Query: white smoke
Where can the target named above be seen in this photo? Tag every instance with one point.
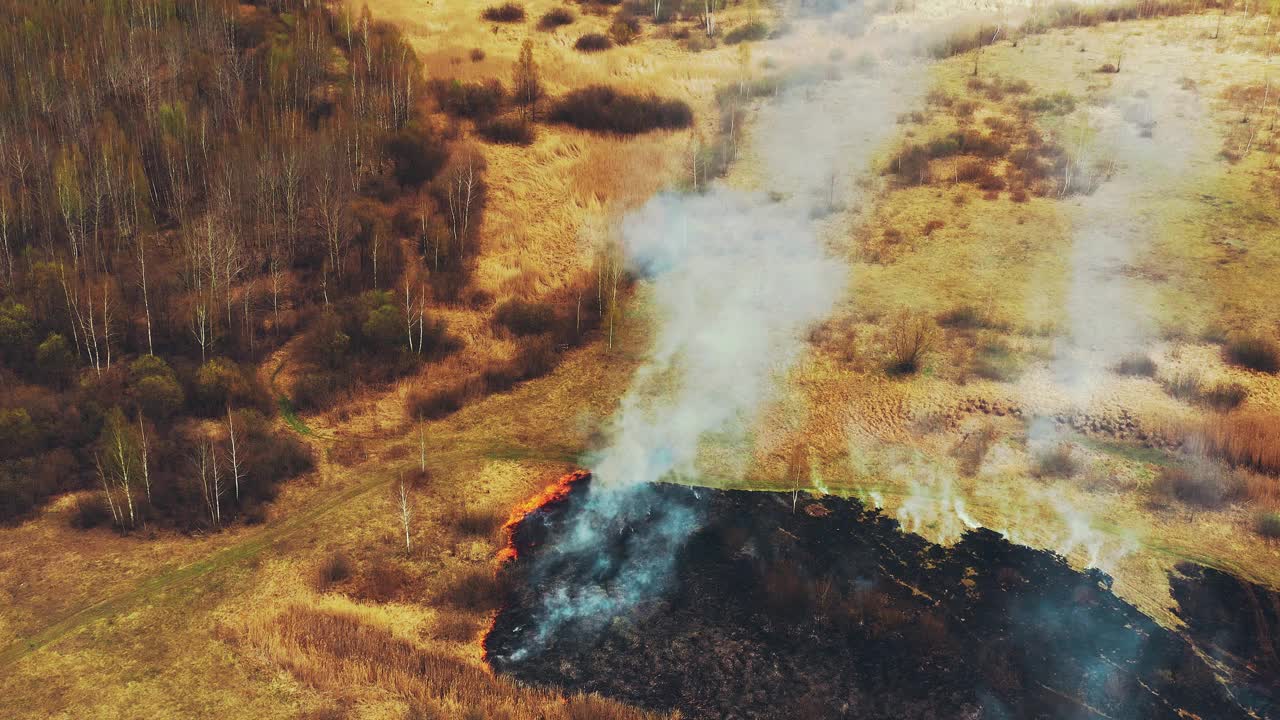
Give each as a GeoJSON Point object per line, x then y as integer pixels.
{"type": "Point", "coordinates": [736, 277]}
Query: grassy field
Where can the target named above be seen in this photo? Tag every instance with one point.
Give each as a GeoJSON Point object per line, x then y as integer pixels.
{"type": "Point", "coordinates": [321, 612]}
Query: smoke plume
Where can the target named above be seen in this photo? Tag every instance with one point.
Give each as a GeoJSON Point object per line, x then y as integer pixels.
{"type": "Point", "coordinates": [735, 277]}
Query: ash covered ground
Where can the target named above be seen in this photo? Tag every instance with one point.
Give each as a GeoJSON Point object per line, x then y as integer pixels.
{"type": "Point", "coordinates": [821, 608]}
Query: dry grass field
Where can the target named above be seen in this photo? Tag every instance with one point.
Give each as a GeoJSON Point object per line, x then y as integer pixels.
{"type": "Point", "coordinates": [322, 612]}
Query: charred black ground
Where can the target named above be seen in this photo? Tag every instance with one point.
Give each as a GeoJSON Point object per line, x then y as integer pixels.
{"type": "Point", "coordinates": [825, 609]}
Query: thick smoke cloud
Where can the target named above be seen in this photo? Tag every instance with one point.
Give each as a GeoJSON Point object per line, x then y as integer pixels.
{"type": "Point", "coordinates": [735, 277]}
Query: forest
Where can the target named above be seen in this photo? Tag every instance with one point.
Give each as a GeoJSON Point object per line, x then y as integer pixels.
{"type": "Point", "coordinates": [184, 186]}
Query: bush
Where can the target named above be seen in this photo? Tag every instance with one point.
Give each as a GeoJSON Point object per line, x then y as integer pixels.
{"type": "Point", "coordinates": [911, 339]}
{"type": "Point", "coordinates": [995, 360]}
{"type": "Point", "coordinates": [55, 360]}
{"type": "Point", "coordinates": [435, 404]}
{"type": "Point", "coordinates": [16, 333]}
{"type": "Point", "coordinates": [1225, 396]}
{"type": "Point", "coordinates": [533, 359]}
{"type": "Point", "coordinates": [416, 156]}
{"type": "Point", "coordinates": [335, 568]}
{"type": "Point", "coordinates": [752, 31]}
{"type": "Point", "coordinates": [1058, 461]}
{"type": "Point", "coordinates": [1059, 103]}
{"type": "Point", "coordinates": [325, 344]}
{"type": "Point", "coordinates": [384, 327]}
{"type": "Point", "coordinates": [965, 317]}
{"type": "Point", "coordinates": [592, 42]}
{"type": "Point", "coordinates": [1208, 485]}
{"type": "Point", "coordinates": [523, 318]}
{"type": "Point", "coordinates": [471, 99]}
{"type": "Point", "coordinates": [624, 29]}
{"type": "Point", "coordinates": [475, 589]}
{"type": "Point", "coordinates": [507, 131]}
{"type": "Point", "coordinates": [1185, 386]}
{"type": "Point", "coordinates": [90, 512]}
{"type": "Point", "coordinates": [1267, 524]}
{"type": "Point", "coordinates": [1254, 353]}
{"type": "Point", "coordinates": [158, 396]}
{"type": "Point", "coordinates": [601, 108]}
{"type": "Point", "coordinates": [556, 17]}
{"type": "Point", "coordinates": [1136, 364]}
{"type": "Point", "coordinates": [506, 13]}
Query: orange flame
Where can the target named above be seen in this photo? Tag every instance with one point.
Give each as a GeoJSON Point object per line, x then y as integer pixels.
{"type": "Point", "coordinates": [554, 492]}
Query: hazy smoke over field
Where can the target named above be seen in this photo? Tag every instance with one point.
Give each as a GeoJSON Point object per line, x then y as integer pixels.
{"type": "Point", "coordinates": [735, 279]}
{"type": "Point", "coordinates": [1127, 151]}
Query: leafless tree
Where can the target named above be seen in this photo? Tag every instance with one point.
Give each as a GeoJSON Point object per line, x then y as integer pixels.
{"type": "Point", "coordinates": [405, 514]}
{"type": "Point", "coordinates": [236, 472]}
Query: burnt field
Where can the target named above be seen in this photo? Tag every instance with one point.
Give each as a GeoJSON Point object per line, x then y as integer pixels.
{"type": "Point", "coordinates": [817, 608]}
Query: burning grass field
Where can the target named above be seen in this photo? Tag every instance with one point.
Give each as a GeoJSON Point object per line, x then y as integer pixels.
{"type": "Point", "coordinates": [322, 613]}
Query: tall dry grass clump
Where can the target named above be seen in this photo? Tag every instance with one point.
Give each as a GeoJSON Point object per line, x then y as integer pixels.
{"type": "Point", "coordinates": [1245, 439]}
{"type": "Point", "coordinates": [336, 650]}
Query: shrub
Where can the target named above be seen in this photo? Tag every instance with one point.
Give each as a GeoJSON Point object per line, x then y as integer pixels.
{"type": "Point", "coordinates": [556, 17]}
{"type": "Point", "coordinates": [534, 358]}
{"type": "Point", "coordinates": [1136, 364]}
{"type": "Point", "coordinates": [752, 31]}
{"type": "Point", "coordinates": [1254, 353]}
{"type": "Point", "coordinates": [435, 404]}
{"type": "Point", "coordinates": [416, 156]}
{"type": "Point", "coordinates": [996, 361]}
{"type": "Point", "coordinates": [1225, 396]}
{"type": "Point", "coordinates": [55, 360]}
{"type": "Point", "coordinates": [90, 512]}
{"type": "Point", "coordinates": [624, 29]}
{"type": "Point", "coordinates": [1058, 461]}
{"type": "Point", "coordinates": [522, 318]}
{"type": "Point", "coordinates": [335, 568]}
{"type": "Point", "coordinates": [324, 343]}
{"type": "Point", "coordinates": [1208, 484]}
{"type": "Point", "coordinates": [1267, 524]}
{"type": "Point", "coordinates": [967, 317]}
{"type": "Point", "coordinates": [383, 327]}
{"type": "Point", "coordinates": [507, 131]}
{"type": "Point", "coordinates": [16, 332]}
{"type": "Point", "coordinates": [158, 396]}
{"type": "Point", "coordinates": [475, 589]}
{"type": "Point", "coordinates": [506, 13]}
{"type": "Point", "coordinates": [470, 99]}
{"type": "Point", "coordinates": [1185, 385]}
{"type": "Point", "coordinates": [911, 338]}
{"type": "Point", "coordinates": [593, 42]}
{"type": "Point", "coordinates": [603, 109]}
{"type": "Point", "coordinates": [476, 55]}
{"type": "Point", "coordinates": [1059, 103]}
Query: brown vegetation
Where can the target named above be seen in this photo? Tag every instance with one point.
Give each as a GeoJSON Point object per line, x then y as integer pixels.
{"type": "Point", "coordinates": [1245, 439]}
{"type": "Point", "coordinates": [508, 12]}
{"type": "Point", "coordinates": [1255, 353]}
{"type": "Point", "coordinates": [603, 109]}
{"type": "Point", "coordinates": [1204, 484]}
{"type": "Point", "coordinates": [593, 42]}
{"type": "Point", "coordinates": [332, 650]}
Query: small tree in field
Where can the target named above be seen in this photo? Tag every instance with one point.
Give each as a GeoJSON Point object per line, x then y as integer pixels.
{"type": "Point", "coordinates": [405, 514]}
{"type": "Point", "coordinates": [911, 338]}
{"type": "Point", "coordinates": [526, 86]}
